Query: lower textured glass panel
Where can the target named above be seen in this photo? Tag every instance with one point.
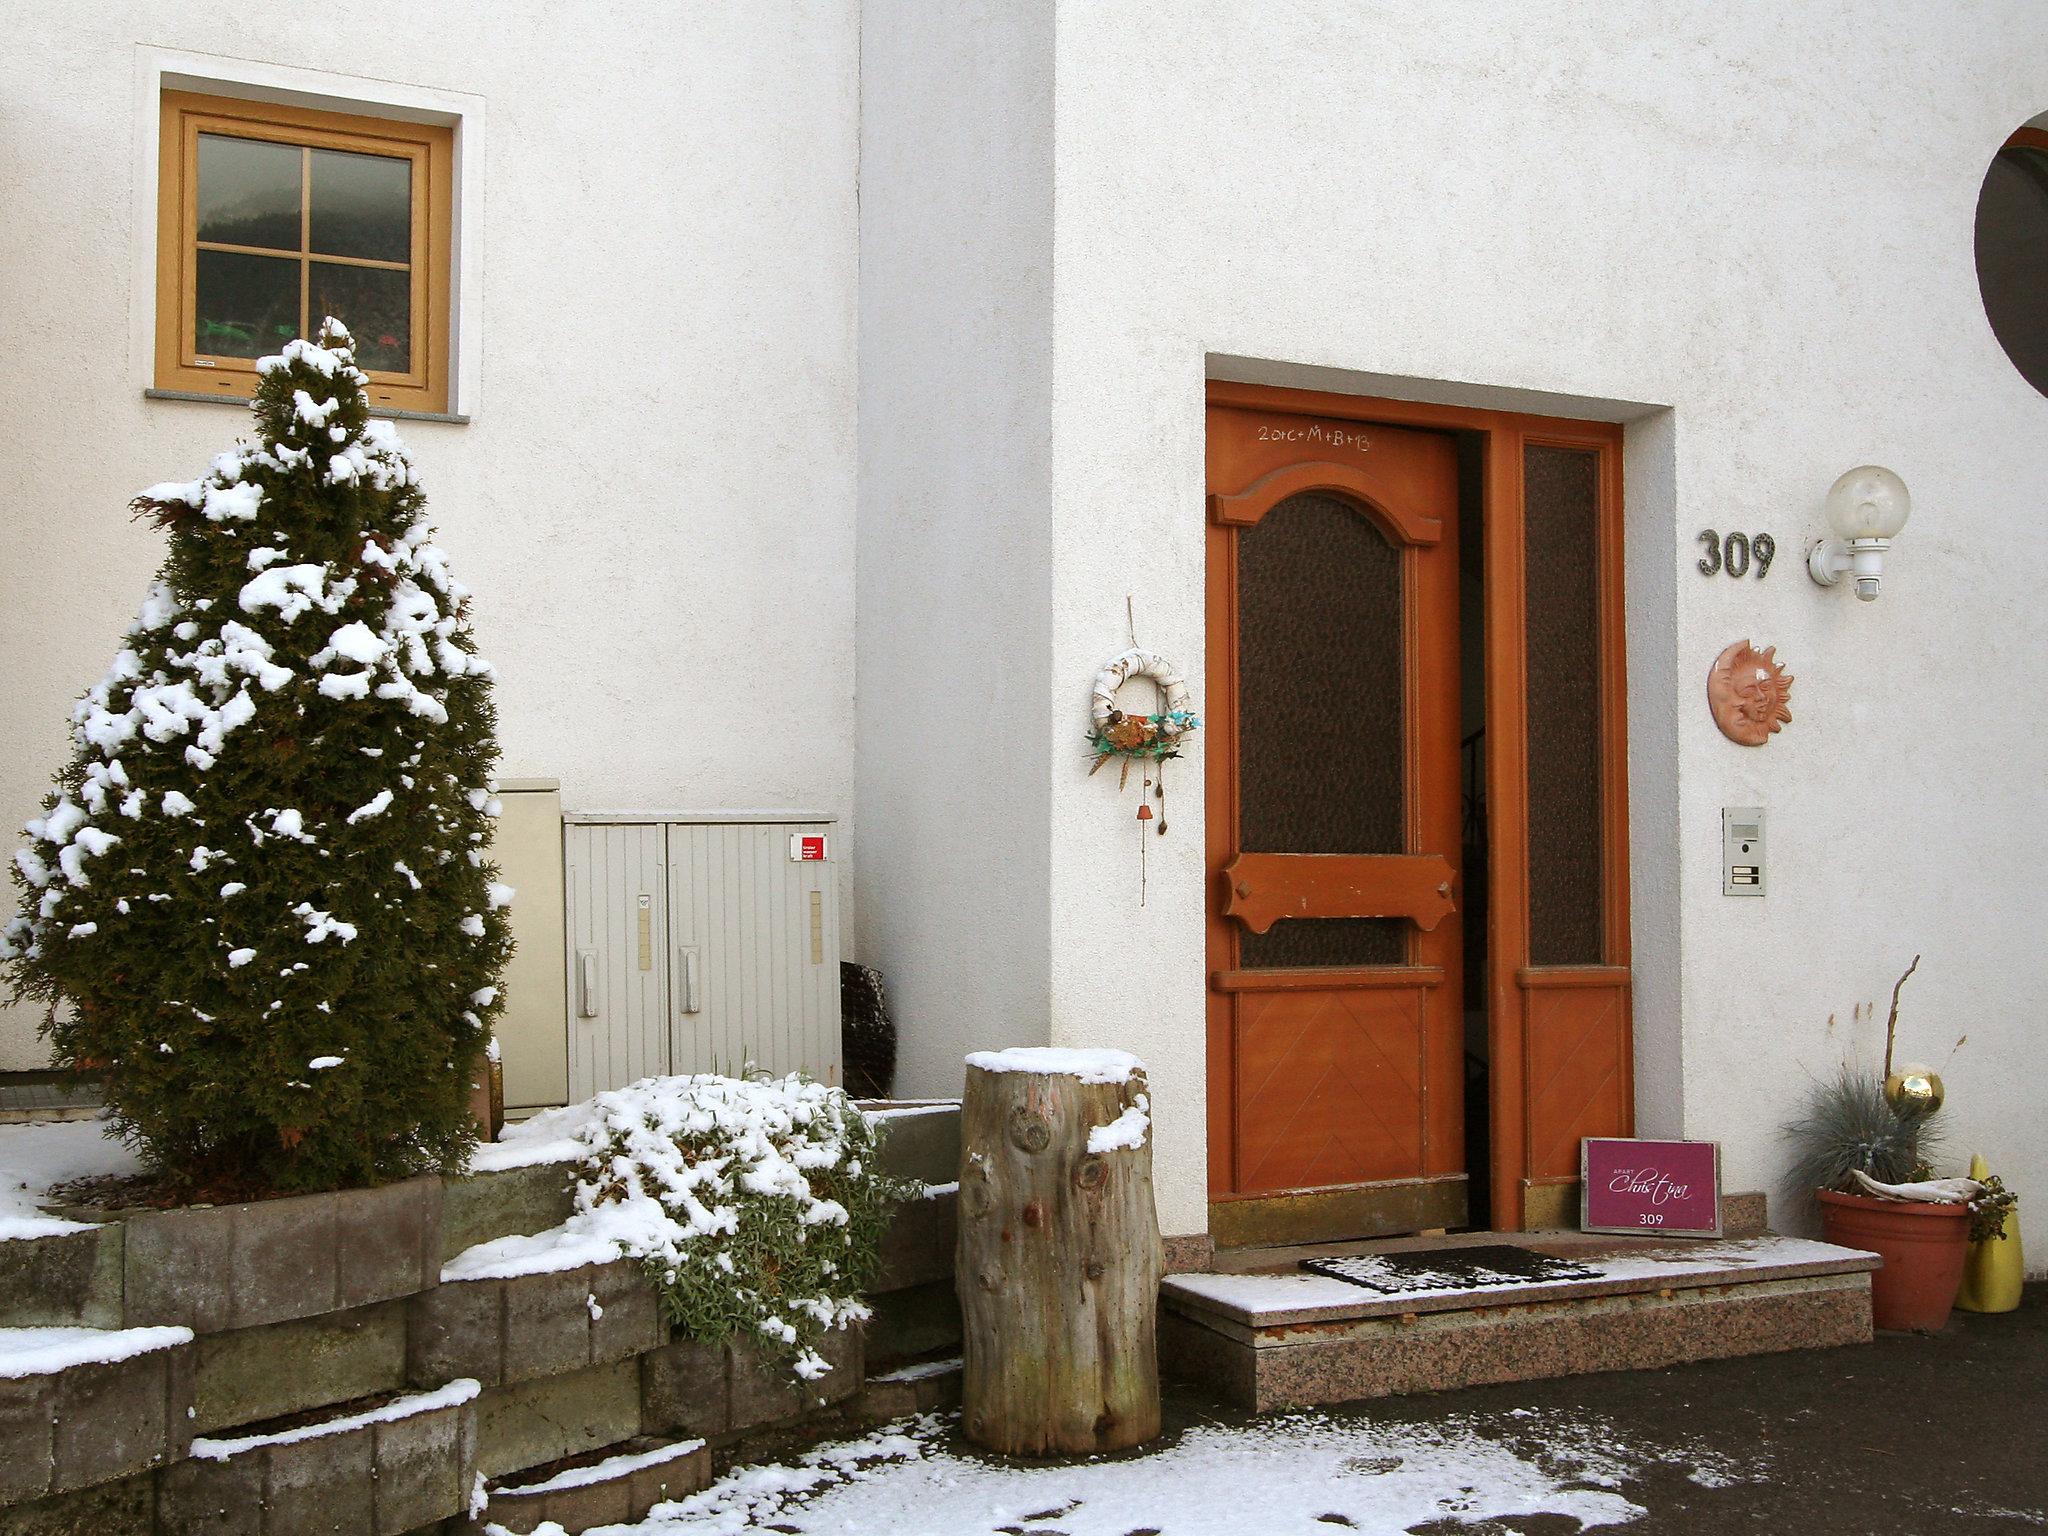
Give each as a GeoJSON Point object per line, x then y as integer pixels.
{"type": "Point", "coordinates": [375, 303]}
{"type": "Point", "coordinates": [1325, 942]}
{"type": "Point", "coordinates": [247, 306]}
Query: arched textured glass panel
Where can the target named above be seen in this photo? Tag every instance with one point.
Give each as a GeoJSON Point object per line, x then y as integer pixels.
{"type": "Point", "coordinates": [2012, 258]}
{"type": "Point", "coordinates": [1321, 758]}
{"type": "Point", "coordinates": [1561, 495]}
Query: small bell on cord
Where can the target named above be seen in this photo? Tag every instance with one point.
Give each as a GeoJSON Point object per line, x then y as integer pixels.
{"type": "Point", "coordinates": [1144, 812]}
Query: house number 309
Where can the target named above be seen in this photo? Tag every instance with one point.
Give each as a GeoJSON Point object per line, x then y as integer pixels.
{"type": "Point", "coordinates": [1732, 553]}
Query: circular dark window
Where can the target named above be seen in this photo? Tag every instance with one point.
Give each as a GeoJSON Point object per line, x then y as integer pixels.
{"type": "Point", "coordinates": [2012, 251]}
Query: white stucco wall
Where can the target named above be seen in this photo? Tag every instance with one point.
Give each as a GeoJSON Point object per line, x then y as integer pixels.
{"type": "Point", "coordinates": [957, 735]}
{"type": "Point", "coordinates": [654, 498]}
{"type": "Point", "coordinates": [1758, 216]}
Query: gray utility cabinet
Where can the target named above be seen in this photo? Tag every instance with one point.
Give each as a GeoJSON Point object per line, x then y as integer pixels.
{"type": "Point", "coordinates": [700, 942]}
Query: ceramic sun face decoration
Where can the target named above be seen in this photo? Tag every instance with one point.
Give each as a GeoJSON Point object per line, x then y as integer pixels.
{"type": "Point", "coordinates": [1748, 691]}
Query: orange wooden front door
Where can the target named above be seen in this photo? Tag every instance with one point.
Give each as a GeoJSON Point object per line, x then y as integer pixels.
{"type": "Point", "coordinates": [1335, 1018]}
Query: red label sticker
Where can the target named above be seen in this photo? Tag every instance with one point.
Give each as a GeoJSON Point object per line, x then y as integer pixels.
{"type": "Point", "coordinates": [1650, 1186]}
{"type": "Point", "coordinates": [805, 849]}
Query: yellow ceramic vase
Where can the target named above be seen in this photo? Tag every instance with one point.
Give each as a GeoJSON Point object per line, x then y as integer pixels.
{"type": "Point", "coordinates": [1994, 1268]}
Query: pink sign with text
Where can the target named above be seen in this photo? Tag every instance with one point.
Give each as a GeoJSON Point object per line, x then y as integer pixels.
{"type": "Point", "coordinates": [1661, 1187]}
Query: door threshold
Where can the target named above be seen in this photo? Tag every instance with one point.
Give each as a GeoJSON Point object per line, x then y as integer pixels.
{"type": "Point", "coordinates": [1383, 1208]}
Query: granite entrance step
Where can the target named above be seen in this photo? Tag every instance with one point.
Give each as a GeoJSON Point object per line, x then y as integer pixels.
{"type": "Point", "coordinates": [1273, 1337]}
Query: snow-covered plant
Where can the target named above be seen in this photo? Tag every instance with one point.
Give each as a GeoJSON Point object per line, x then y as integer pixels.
{"type": "Point", "coordinates": [754, 1203]}
{"type": "Point", "coordinates": [258, 898]}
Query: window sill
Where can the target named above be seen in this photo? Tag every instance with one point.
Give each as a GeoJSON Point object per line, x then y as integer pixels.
{"type": "Point", "coordinates": [390, 412]}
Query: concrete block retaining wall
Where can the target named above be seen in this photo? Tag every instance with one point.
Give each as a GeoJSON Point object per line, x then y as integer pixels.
{"type": "Point", "coordinates": [614, 1491]}
{"type": "Point", "coordinates": [336, 1383]}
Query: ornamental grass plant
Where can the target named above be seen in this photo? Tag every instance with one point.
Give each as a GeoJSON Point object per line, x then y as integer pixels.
{"type": "Point", "coordinates": [1846, 1126]}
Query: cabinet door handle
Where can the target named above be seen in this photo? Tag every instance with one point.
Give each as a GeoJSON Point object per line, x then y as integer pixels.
{"type": "Point", "coordinates": [586, 983]}
{"type": "Point", "coordinates": [686, 965]}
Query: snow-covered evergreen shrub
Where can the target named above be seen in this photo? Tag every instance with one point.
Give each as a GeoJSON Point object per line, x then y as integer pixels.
{"type": "Point", "coordinates": [259, 898]}
{"type": "Point", "coordinates": [754, 1203]}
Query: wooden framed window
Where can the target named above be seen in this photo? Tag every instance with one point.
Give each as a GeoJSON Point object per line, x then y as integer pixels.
{"type": "Point", "coordinates": [270, 218]}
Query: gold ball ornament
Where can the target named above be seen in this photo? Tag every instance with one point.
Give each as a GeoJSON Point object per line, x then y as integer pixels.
{"type": "Point", "coordinates": [1915, 1091]}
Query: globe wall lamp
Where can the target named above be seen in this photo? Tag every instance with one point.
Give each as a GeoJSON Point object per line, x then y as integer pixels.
{"type": "Point", "coordinates": [1866, 507]}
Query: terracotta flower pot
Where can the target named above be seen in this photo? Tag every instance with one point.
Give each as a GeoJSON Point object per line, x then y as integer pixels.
{"type": "Point", "coordinates": [1922, 1244]}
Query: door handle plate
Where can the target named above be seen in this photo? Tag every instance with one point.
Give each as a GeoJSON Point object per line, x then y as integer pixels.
{"type": "Point", "coordinates": [689, 1000]}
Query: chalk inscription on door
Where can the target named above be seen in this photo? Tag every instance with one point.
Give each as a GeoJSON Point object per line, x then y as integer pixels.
{"type": "Point", "coordinates": [1734, 553]}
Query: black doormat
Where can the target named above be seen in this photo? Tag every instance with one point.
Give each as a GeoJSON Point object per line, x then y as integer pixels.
{"type": "Point", "coordinates": [1449, 1269]}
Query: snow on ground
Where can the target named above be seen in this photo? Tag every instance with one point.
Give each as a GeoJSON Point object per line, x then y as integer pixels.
{"type": "Point", "coordinates": [43, 1153]}
{"type": "Point", "coordinates": [1282, 1476]}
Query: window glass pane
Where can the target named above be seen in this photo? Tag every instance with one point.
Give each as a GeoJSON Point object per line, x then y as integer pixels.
{"type": "Point", "coordinates": [2012, 258]}
{"type": "Point", "coordinates": [248, 192]}
{"type": "Point", "coordinates": [248, 306]}
{"type": "Point", "coordinates": [1562, 567]}
{"type": "Point", "coordinates": [1321, 766]}
{"type": "Point", "coordinates": [362, 205]}
{"type": "Point", "coordinates": [375, 303]}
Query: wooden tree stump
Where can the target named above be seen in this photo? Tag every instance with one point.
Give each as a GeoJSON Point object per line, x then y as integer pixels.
{"type": "Point", "coordinates": [1059, 1257]}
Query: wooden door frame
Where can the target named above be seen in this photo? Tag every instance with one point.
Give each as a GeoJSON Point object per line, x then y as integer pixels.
{"type": "Point", "coordinates": [1518, 1200]}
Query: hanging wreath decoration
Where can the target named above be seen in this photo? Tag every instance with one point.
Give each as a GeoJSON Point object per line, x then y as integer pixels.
{"type": "Point", "coordinates": [1157, 737]}
{"type": "Point", "coordinates": [1149, 739]}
